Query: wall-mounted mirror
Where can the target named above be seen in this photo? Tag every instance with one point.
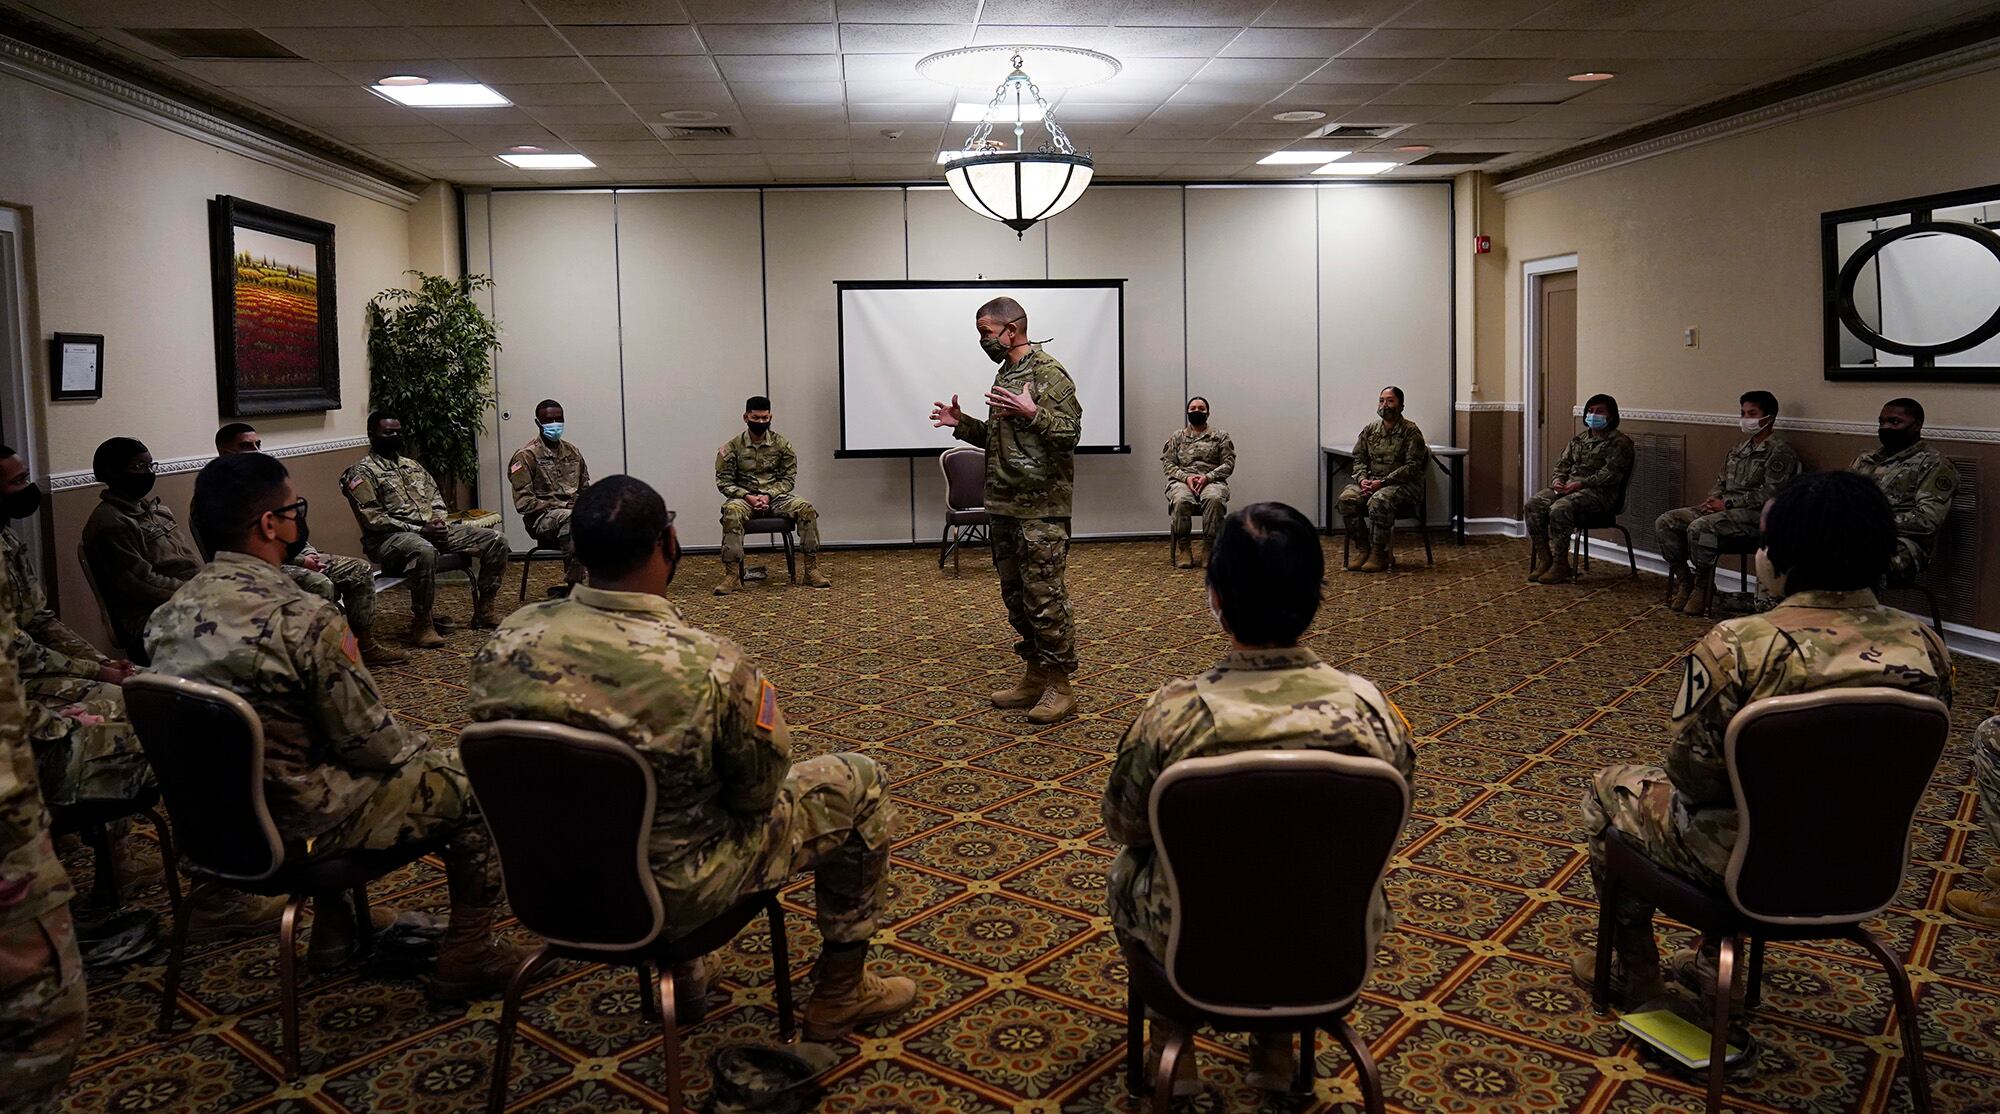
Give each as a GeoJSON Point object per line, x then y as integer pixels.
{"type": "Point", "coordinates": [1912, 289]}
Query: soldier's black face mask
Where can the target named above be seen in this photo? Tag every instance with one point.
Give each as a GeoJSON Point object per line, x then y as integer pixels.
{"type": "Point", "coordinates": [386, 444]}
{"type": "Point", "coordinates": [1896, 439]}
{"type": "Point", "coordinates": [296, 514]}
{"type": "Point", "coordinates": [758, 429]}
{"type": "Point", "coordinates": [133, 487]}
{"type": "Point", "coordinates": [21, 503]}
{"type": "Point", "coordinates": [1197, 418]}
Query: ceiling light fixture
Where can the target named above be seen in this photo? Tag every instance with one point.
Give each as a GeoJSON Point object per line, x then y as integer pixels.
{"type": "Point", "coordinates": [404, 79]}
{"type": "Point", "coordinates": [1414, 148]}
{"type": "Point", "coordinates": [971, 112]}
{"type": "Point", "coordinates": [538, 161]}
{"type": "Point", "coordinates": [1592, 75]}
{"type": "Point", "coordinates": [1018, 187]}
{"type": "Point", "coordinates": [1357, 167]}
{"type": "Point", "coordinates": [1299, 116]}
{"type": "Point", "coordinates": [524, 149]}
{"type": "Point", "coordinates": [686, 115]}
{"type": "Point", "coordinates": [1286, 158]}
{"type": "Point", "coordinates": [1057, 67]}
{"type": "Point", "coordinates": [441, 94]}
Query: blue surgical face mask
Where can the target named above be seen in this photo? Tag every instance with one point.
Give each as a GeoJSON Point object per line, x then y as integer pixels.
{"type": "Point", "coordinates": [1596, 421]}
{"type": "Point", "coordinates": [552, 430]}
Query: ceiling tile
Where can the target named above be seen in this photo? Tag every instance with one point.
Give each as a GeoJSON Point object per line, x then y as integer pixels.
{"type": "Point", "coordinates": [1099, 113]}
{"type": "Point", "coordinates": [1120, 91]}
{"type": "Point", "coordinates": [787, 92]}
{"type": "Point", "coordinates": [1612, 15]}
{"type": "Point", "coordinates": [1319, 96]}
{"type": "Point", "coordinates": [879, 67]}
{"type": "Point", "coordinates": [1164, 42]}
{"type": "Point", "coordinates": [302, 13]}
{"type": "Point", "coordinates": [770, 38]}
{"type": "Point", "coordinates": [380, 113]}
{"type": "Point", "coordinates": [917, 92]}
{"type": "Point", "coordinates": [663, 68]}
{"type": "Point", "coordinates": [1485, 113]}
{"type": "Point", "coordinates": [910, 11]}
{"type": "Point", "coordinates": [559, 70]}
{"type": "Point", "coordinates": [1244, 71]}
{"type": "Point", "coordinates": [1490, 14]}
{"type": "Point", "coordinates": [903, 38]}
{"type": "Point", "coordinates": [229, 74]}
{"type": "Point", "coordinates": [781, 67]}
{"type": "Point", "coordinates": [1533, 94]}
{"type": "Point", "coordinates": [1434, 94]}
{"type": "Point", "coordinates": [808, 158]}
{"type": "Point", "coordinates": [1012, 34]}
{"type": "Point", "coordinates": [1217, 93]}
{"type": "Point", "coordinates": [392, 133]}
{"type": "Point", "coordinates": [619, 147]}
{"type": "Point", "coordinates": [493, 42]}
{"type": "Point", "coordinates": [1191, 13]}
{"type": "Point", "coordinates": [447, 149]}
{"type": "Point", "coordinates": [761, 11]}
{"type": "Point", "coordinates": [348, 43]}
{"type": "Point", "coordinates": [595, 92]}
{"type": "Point", "coordinates": [1292, 42]}
{"type": "Point", "coordinates": [1547, 44]}
{"type": "Point", "coordinates": [612, 11]}
{"type": "Point", "coordinates": [830, 114]}
{"type": "Point", "coordinates": [1269, 130]}
{"type": "Point", "coordinates": [695, 162]}
{"type": "Point", "coordinates": [1370, 71]}
{"type": "Point", "coordinates": [309, 96]}
{"type": "Point", "coordinates": [437, 69]}
{"type": "Point", "coordinates": [657, 161]}
{"type": "Point", "coordinates": [1477, 71]}
{"type": "Point", "coordinates": [669, 38]}
{"type": "Point", "coordinates": [1175, 70]}
{"type": "Point", "coordinates": [1329, 13]}
{"type": "Point", "coordinates": [460, 13]}
{"type": "Point", "coordinates": [497, 136]}
{"type": "Point", "coordinates": [883, 157]}
{"type": "Point", "coordinates": [1049, 11]}
{"type": "Point", "coordinates": [452, 164]}
{"type": "Point", "coordinates": [676, 94]}
{"type": "Point", "coordinates": [791, 147]}
{"type": "Point", "coordinates": [555, 114]}
{"type": "Point", "coordinates": [155, 13]}
{"type": "Point", "coordinates": [583, 133]}
{"type": "Point", "coordinates": [1407, 43]}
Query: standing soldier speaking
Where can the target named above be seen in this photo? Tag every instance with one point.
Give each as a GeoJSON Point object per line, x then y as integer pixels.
{"type": "Point", "coordinates": [1030, 439]}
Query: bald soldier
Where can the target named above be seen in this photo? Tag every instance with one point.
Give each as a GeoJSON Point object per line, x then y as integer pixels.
{"type": "Point", "coordinates": [1827, 541]}
{"type": "Point", "coordinates": [547, 475]}
{"type": "Point", "coordinates": [1389, 460]}
{"type": "Point", "coordinates": [1918, 481]}
{"type": "Point", "coordinates": [1269, 693]}
{"type": "Point", "coordinates": [41, 973]}
{"type": "Point", "coordinates": [347, 581]}
{"type": "Point", "coordinates": [1033, 421]}
{"type": "Point", "coordinates": [757, 472]}
{"type": "Point", "coordinates": [735, 815]}
{"type": "Point", "coordinates": [1198, 461]}
{"type": "Point", "coordinates": [340, 773]}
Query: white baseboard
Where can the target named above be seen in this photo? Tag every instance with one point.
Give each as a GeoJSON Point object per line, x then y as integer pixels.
{"type": "Point", "coordinates": [1503, 527]}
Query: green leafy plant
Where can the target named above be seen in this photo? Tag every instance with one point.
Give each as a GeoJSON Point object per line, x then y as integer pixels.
{"type": "Point", "coordinates": [430, 358]}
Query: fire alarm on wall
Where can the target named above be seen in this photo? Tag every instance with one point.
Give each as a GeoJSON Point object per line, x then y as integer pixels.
{"type": "Point", "coordinates": [1482, 244]}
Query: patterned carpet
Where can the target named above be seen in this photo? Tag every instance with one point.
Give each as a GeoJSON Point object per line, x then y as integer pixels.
{"type": "Point", "coordinates": [1518, 692]}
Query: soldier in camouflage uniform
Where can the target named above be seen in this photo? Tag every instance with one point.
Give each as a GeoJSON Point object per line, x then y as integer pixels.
{"type": "Point", "coordinates": [403, 528]}
{"type": "Point", "coordinates": [1389, 461]}
{"type": "Point", "coordinates": [1983, 907]}
{"type": "Point", "coordinates": [137, 553]}
{"type": "Point", "coordinates": [1752, 472]}
{"type": "Point", "coordinates": [340, 773]}
{"type": "Point", "coordinates": [1030, 434]}
{"type": "Point", "coordinates": [1198, 462]}
{"type": "Point", "coordinates": [1590, 476]}
{"type": "Point", "coordinates": [42, 997]}
{"type": "Point", "coordinates": [1919, 482]}
{"type": "Point", "coordinates": [756, 471]}
{"type": "Point", "coordinates": [547, 475]}
{"type": "Point", "coordinates": [734, 814]}
{"type": "Point", "coordinates": [1269, 693]}
{"type": "Point", "coordinates": [347, 581]}
{"type": "Point", "coordinates": [1828, 537]}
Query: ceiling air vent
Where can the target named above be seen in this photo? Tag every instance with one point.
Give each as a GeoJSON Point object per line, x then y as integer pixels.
{"type": "Point", "coordinates": [694, 131]}
{"type": "Point", "coordinates": [1458, 158]}
{"type": "Point", "coordinates": [1357, 131]}
{"type": "Point", "coordinates": [210, 42]}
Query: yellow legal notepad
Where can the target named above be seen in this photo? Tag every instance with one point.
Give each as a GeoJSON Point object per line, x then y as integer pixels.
{"type": "Point", "coordinates": [1678, 1038]}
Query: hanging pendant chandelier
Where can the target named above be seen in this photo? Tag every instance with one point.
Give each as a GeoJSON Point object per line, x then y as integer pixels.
{"type": "Point", "coordinates": [1018, 187]}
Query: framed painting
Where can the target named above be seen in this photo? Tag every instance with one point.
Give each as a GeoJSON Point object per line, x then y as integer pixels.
{"type": "Point", "coordinates": [276, 349]}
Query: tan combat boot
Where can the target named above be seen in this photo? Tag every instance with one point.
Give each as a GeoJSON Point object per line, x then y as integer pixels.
{"type": "Point", "coordinates": [1274, 1062]}
{"type": "Point", "coordinates": [1378, 560]}
{"type": "Point", "coordinates": [471, 963]}
{"type": "Point", "coordinates": [732, 578]}
{"type": "Point", "coordinates": [1358, 549]}
{"type": "Point", "coordinates": [231, 915]}
{"type": "Point", "coordinates": [1180, 544]}
{"type": "Point", "coordinates": [374, 653]}
{"type": "Point", "coordinates": [1680, 581]}
{"type": "Point", "coordinates": [486, 613]}
{"type": "Point", "coordinates": [1186, 1083]}
{"type": "Point", "coordinates": [1700, 594]}
{"type": "Point", "coordinates": [1198, 558]}
{"type": "Point", "coordinates": [1540, 558]}
{"type": "Point", "coordinates": [423, 632]}
{"type": "Point", "coordinates": [1635, 968]}
{"type": "Point", "coordinates": [1982, 909]}
{"type": "Point", "coordinates": [814, 579]}
{"type": "Point", "coordinates": [1058, 699]}
{"type": "Point", "coordinates": [1560, 572]}
{"type": "Point", "coordinates": [845, 995]}
{"type": "Point", "coordinates": [1024, 693]}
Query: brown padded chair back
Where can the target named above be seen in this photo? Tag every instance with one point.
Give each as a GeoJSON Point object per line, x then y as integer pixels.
{"type": "Point", "coordinates": [964, 478]}
{"type": "Point", "coordinates": [134, 653]}
{"type": "Point", "coordinates": [1827, 784]}
{"type": "Point", "coordinates": [206, 747]}
{"type": "Point", "coordinates": [1272, 858]}
{"type": "Point", "coordinates": [571, 812]}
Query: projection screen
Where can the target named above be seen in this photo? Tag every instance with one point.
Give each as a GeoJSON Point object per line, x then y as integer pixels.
{"type": "Point", "coordinates": [904, 345]}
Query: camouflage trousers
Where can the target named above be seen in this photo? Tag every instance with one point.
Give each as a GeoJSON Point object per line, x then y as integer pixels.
{"type": "Point", "coordinates": [1908, 562]}
{"type": "Point", "coordinates": [737, 512]}
{"type": "Point", "coordinates": [1182, 502]}
{"type": "Point", "coordinates": [1557, 515]}
{"type": "Point", "coordinates": [1687, 534]}
{"type": "Point", "coordinates": [833, 817]}
{"type": "Point", "coordinates": [1986, 772]}
{"type": "Point", "coordinates": [409, 555]}
{"type": "Point", "coordinates": [550, 529]}
{"type": "Point", "coordinates": [1381, 509]}
{"type": "Point", "coordinates": [1639, 802]}
{"type": "Point", "coordinates": [1032, 556]}
{"type": "Point", "coordinates": [1142, 907]}
{"type": "Point", "coordinates": [41, 1010]}
{"type": "Point", "coordinates": [347, 581]}
{"type": "Point", "coordinates": [84, 746]}
{"type": "Point", "coordinates": [429, 800]}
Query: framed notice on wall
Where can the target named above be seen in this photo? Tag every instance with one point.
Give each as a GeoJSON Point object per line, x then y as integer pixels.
{"type": "Point", "coordinates": [275, 347]}
{"type": "Point", "coordinates": [76, 366]}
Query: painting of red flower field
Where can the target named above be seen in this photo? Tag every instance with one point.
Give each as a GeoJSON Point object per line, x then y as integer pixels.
{"type": "Point", "coordinates": [274, 310]}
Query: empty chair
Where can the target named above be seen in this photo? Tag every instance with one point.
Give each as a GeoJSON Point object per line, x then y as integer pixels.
{"type": "Point", "coordinates": [965, 517]}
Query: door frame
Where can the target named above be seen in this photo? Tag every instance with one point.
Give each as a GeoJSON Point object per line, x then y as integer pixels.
{"type": "Point", "coordinates": [22, 426]}
{"type": "Point", "coordinates": [1533, 273]}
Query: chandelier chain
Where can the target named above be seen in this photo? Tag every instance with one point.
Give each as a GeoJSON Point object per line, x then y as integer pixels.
{"type": "Point", "coordinates": [1058, 141]}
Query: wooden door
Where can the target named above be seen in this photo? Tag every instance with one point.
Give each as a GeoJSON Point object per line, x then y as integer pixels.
{"type": "Point", "coordinates": [1556, 365]}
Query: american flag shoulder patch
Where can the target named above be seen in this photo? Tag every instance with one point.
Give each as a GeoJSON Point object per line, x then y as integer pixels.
{"type": "Point", "coordinates": [515, 467]}
{"type": "Point", "coordinates": [767, 705]}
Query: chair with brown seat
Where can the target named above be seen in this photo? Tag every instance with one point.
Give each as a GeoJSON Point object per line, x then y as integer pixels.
{"type": "Point", "coordinates": [206, 746]}
{"type": "Point", "coordinates": [588, 889]}
{"type": "Point", "coordinates": [91, 820]}
{"type": "Point", "coordinates": [965, 517]}
{"type": "Point", "coordinates": [1862, 757]}
{"type": "Point", "coordinates": [1214, 822]}
{"type": "Point", "coordinates": [1604, 520]}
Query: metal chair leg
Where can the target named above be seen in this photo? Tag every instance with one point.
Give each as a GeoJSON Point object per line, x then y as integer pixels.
{"type": "Point", "coordinates": [944, 545]}
{"type": "Point", "coordinates": [1718, 1038]}
{"type": "Point", "coordinates": [104, 865]}
{"type": "Point", "coordinates": [510, 1014]}
{"type": "Point", "coordinates": [169, 861]}
{"type": "Point", "coordinates": [1631, 554]}
{"type": "Point", "coordinates": [1302, 1083]}
{"type": "Point", "coordinates": [364, 924]}
{"type": "Point", "coordinates": [176, 953]}
{"type": "Point", "coordinates": [288, 982]}
{"type": "Point", "coordinates": [781, 968]}
{"type": "Point", "coordinates": [791, 561]}
{"type": "Point", "coordinates": [1906, 1009]}
{"type": "Point", "coordinates": [1755, 996]}
{"type": "Point", "coordinates": [1135, 1043]}
{"type": "Point", "coordinates": [1178, 1043]}
{"type": "Point", "coordinates": [523, 595]}
{"type": "Point", "coordinates": [670, 1042]}
{"type": "Point", "coordinates": [648, 1009]}
{"type": "Point", "coordinates": [1600, 987]}
{"type": "Point", "coordinates": [1365, 1071]}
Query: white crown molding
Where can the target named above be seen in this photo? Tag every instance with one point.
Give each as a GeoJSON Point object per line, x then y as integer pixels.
{"type": "Point", "coordinates": [1465, 407]}
{"type": "Point", "coordinates": [70, 481]}
{"type": "Point", "coordinates": [1947, 66]}
{"type": "Point", "coordinates": [52, 71]}
{"type": "Point", "coordinates": [1976, 434]}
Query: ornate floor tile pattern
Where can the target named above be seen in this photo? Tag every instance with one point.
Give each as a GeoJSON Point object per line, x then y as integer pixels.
{"type": "Point", "coordinates": [996, 909]}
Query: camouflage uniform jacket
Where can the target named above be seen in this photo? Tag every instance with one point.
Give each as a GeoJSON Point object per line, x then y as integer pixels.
{"type": "Point", "coordinates": [704, 717]}
{"type": "Point", "coordinates": [32, 881]}
{"type": "Point", "coordinates": [244, 626]}
{"type": "Point", "coordinates": [43, 646]}
{"type": "Point", "coordinates": [1277, 699]}
{"type": "Point", "coordinates": [546, 477]}
{"type": "Point", "coordinates": [1600, 464]}
{"type": "Point", "coordinates": [1920, 484]}
{"type": "Point", "coordinates": [1205, 452]}
{"type": "Point", "coordinates": [1395, 455]}
{"type": "Point", "coordinates": [139, 556]}
{"type": "Point", "coordinates": [1810, 641]}
{"type": "Point", "coordinates": [1754, 472]}
{"type": "Point", "coordinates": [744, 467]}
{"type": "Point", "coordinates": [390, 497]}
{"type": "Point", "coordinates": [1030, 465]}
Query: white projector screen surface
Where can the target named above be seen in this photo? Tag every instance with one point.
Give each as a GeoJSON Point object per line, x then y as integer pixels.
{"type": "Point", "coordinates": [905, 345]}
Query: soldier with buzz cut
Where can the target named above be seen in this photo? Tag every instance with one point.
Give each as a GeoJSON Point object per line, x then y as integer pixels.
{"type": "Point", "coordinates": [1389, 461]}
{"type": "Point", "coordinates": [735, 815]}
{"type": "Point", "coordinates": [1269, 693]}
{"type": "Point", "coordinates": [1918, 481]}
{"type": "Point", "coordinates": [1198, 462]}
{"type": "Point", "coordinates": [1827, 541]}
{"type": "Point", "coordinates": [1030, 433]}
{"type": "Point", "coordinates": [340, 773]}
{"type": "Point", "coordinates": [1754, 470]}
{"type": "Point", "coordinates": [547, 475]}
{"type": "Point", "coordinates": [756, 472]}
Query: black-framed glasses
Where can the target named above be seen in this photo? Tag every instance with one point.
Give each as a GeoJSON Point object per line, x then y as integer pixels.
{"type": "Point", "coordinates": [289, 510]}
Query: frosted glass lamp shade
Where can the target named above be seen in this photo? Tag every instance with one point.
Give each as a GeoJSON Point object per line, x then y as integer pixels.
{"type": "Point", "coordinates": [1018, 188]}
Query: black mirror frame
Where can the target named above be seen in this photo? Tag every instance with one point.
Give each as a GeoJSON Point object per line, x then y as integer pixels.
{"type": "Point", "coordinates": [1839, 279]}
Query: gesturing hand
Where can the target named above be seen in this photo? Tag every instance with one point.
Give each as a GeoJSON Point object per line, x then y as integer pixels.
{"type": "Point", "coordinates": [946, 417]}
{"type": "Point", "coordinates": [1009, 404]}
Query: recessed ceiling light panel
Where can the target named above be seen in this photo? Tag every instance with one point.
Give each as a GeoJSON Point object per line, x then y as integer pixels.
{"type": "Point", "coordinates": [441, 94]}
{"type": "Point", "coordinates": [1357, 167]}
{"type": "Point", "coordinates": [1287, 158]}
{"type": "Point", "coordinates": [527, 161]}
{"type": "Point", "coordinates": [1054, 67]}
{"type": "Point", "coordinates": [1592, 75]}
